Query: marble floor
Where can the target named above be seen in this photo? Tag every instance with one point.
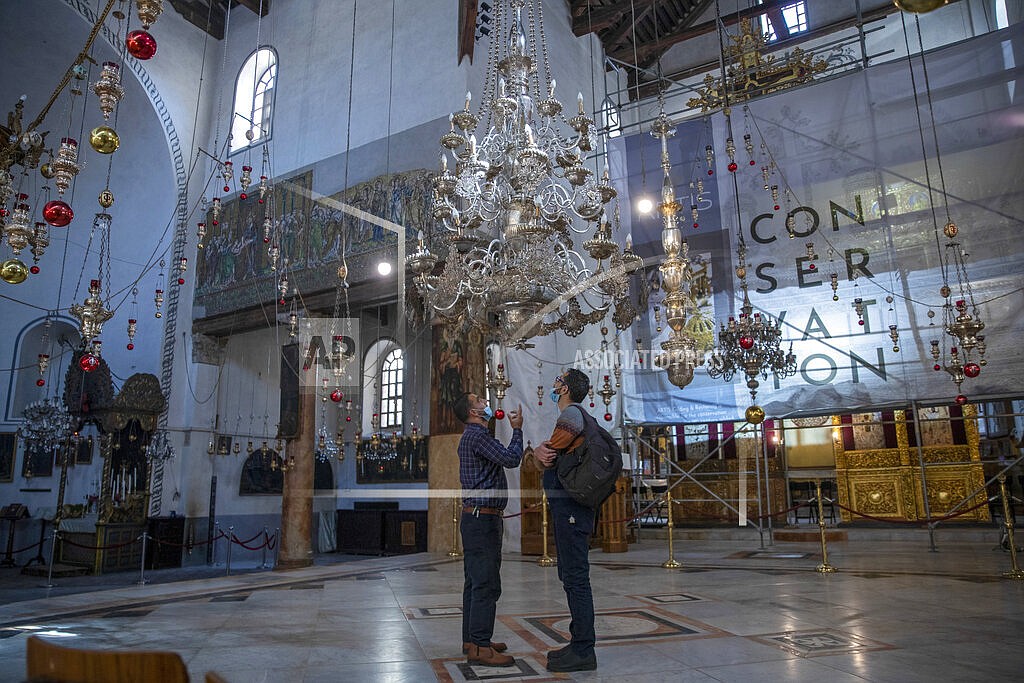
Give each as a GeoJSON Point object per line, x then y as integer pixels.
{"type": "Point", "coordinates": [734, 611]}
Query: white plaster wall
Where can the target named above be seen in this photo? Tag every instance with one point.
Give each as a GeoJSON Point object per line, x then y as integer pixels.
{"type": "Point", "coordinates": [42, 39]}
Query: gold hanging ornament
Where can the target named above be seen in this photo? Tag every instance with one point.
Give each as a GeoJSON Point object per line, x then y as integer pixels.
{"type": "Point", "coordinates": [104, 139]}
{"type": "Point", "coordinates": [920, 6]}
{"type": "Point", "coordinates": [13, 271]}
{"type": "Point", "coordinates": [106, 198]}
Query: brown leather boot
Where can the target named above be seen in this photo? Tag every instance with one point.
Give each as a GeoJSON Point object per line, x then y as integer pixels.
{"type": "Point", "coordinates": [497, 647]}
{"type": "Point", "coordinates": [488, 657]}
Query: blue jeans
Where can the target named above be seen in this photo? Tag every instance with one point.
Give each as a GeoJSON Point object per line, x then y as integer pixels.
{"type": "Point", "coordinates": [574, 524]}
{"type": "Point", "coordinates": [481, 546]}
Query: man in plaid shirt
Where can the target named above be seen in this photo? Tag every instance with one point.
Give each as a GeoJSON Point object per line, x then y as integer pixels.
{"type": "Point", "coordinates": [482, 460]}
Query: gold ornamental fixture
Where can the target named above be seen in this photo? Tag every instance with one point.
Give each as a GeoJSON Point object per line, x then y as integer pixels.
{"type": "Point", "coordinates": [108, 88]}
{"type": "Point", "coordinates": [750, 345]}
{"type": "Point", "coordinates": [17, 232]}
{"type": "Point", "coordinates": [752, 74]}
{"type": "Point", "coordinates": [681, 352]}
{"type": "Point", "coordinates": [510, 204]}
{"type": "Point", "coordinates": [961, 319]}
{"type": "Point", "coordinates": [65, 166]}
{"type": "Point", "coordinates": [920, 6]}
{"type": "Point", "coordinates": [148, 11]}
{"type": "Point", "coordinates": [91, 314]}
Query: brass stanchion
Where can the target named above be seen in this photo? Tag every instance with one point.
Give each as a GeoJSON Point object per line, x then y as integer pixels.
{"type": "Point", "coordinates": [824, 567]}
{"type": "Point", "coordinates": [545, 559]}
{"type": "Point", "coordinates": [671, 562]}
{"type": "Point", "coordinates": [1015, 571]}
{"type": "Point", "coordinates": [454, 552]}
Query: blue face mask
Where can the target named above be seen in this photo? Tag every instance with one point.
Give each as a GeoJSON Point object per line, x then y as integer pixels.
{"type": "Point", "coordinates": [555, 395]}
{"type": "Point", "coordinates": [488, 413]}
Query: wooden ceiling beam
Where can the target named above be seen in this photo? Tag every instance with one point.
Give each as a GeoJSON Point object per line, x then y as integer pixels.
{"type": "Point", "coordinates": [600, 18]}
{"type": "Point", "coordinates": [260, 7]}
{"type": "Point", "coordinates": [198, 14]}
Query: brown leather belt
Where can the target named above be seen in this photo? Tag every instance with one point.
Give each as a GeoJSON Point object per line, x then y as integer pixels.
{"type": "Point", "coordinates": [475, 509]}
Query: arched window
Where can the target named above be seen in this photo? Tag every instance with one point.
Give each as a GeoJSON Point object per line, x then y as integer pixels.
{"type": "Point", "coordinates": [262, 474]}
{"type": "Point", "coordinates": [254, 100]}
{"type": "Point", "coordinates": [57, 342]}
{"type": "Point", "coordinates": [391, 373]}
{"type": "Point", "coordinates": [612, 122]}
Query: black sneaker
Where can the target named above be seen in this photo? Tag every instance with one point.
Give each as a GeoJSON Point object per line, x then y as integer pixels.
{"type": "Point", "coordinates": [573, 662]}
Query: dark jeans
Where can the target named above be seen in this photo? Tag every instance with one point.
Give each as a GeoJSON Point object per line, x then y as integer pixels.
{"type": "Point", "coordinates": [481, 546]}
{"type": "Point", "coordinates": [574, 524]}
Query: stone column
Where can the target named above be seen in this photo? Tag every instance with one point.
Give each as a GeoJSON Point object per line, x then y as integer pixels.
{"type": "Point", "coordinates": [297, 497]}
{"type": "Point", "coordinates": [457, 366]}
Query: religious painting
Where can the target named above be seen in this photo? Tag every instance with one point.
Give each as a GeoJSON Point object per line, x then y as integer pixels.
{"type": "Point", "coordinates": [8, 449]}
{"type": "Point", "coordinates": [234, 268]}
{"type": "Point", "coordinates": [262, 474]}
{"type": "Point", "coordinates": [401, 462]}
{"type": "Point", "coordinates": [37, 463]}
{"type": "Point", "coordinates": [446, 385]}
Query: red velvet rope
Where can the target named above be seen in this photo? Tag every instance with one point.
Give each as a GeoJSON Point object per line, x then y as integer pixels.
{"type": "Point", "coordinates": [234, 539]}
{"type": "Point", "coordinates": [517, 514]}
{"type": "Point", "coordinates": [943, 518]}
{"type": "Point", "coordinates": [99, 547]}
{"type": "Point", "coordinates": [191, 544]}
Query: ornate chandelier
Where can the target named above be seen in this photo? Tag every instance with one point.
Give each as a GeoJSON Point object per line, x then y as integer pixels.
{"type": "Point", "coordinates": [960, 319]}
{"type": "Point", "coordinates": [750, 345]}
{"type": "Point", "coordinates": [681, 352]}
{"type": "Point", "coordinates": [159, 447]}
{"type": "Point", "coordinates": [511, 202]}
{"type": "Point", "coordinates": [47, 425]}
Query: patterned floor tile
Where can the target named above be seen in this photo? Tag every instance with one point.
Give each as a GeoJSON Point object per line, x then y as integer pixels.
{"type": "Point", "coordinates": [546, 631]}
{"type": "Point", "coordinates": [524, 669]}
{"type": "Point", "coordinates": [668, 598]}
{"type": "Point", "coordinates": [432, 612]}
{"type": "Point", "coordinates": [820, 643]}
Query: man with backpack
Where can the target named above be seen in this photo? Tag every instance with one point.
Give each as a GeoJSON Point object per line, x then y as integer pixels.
{"type": "Point", "coordinates": [573, 520]}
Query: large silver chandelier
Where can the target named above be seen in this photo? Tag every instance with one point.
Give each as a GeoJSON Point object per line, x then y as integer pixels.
{"type": "Point", "coordinates": [510, 204]}
{"type": "Point", "coordinates": [47, 425]}
{"type": "Point", "coordinates": [751, 344]}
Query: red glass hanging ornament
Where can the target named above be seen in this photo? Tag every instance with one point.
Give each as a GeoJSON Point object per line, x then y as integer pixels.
{"type": "Point", "coordinates": [141, 44]}
{"type": "Point", "coordinates": [607, 417]}
{"type": "Point", "coordinates": [58, 213]}
{"type": "Point", "coordinates": [500, 414]}
{"type": "Point", "coordinates": [746, 342]}
{"type": "Point", "coordinates": [337, 396]}
{"type": "Point", "coordinates": [961, 399]}
{"type": "Point", "coordinates": [88, 362]}
{"type": "Point", "coordinates": [34, 270]}
{"type": "Point", "coordinates": [40, 382]}
{"type": "Point", "coordinates": [972, 370]}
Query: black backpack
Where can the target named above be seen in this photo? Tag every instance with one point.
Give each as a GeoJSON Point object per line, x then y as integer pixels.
{"type": "Point", "coordinates": [589, 473]}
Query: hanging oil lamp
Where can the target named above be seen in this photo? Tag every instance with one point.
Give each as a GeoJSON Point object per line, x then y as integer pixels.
{"type": "Point", "coordinates": [65, 166]}
{"type": "Point", "coordinates": [91, 314]}
{"type": "Point", "coordinates": [16, 231]}
{"type": "Point", "coordinates": [108, 88]}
